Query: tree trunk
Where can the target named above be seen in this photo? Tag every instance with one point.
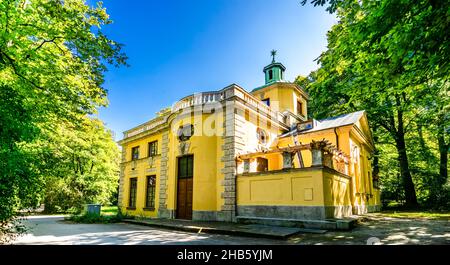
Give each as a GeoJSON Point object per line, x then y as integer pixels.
{"type": "Point", "coordinates": [408, 185]}
{"type": "Point", "coordinates": [376, 153]}
{"type": "Point", "coordinates": [443, 151]}
{"type": "Point", "coordinates": [423, 145]}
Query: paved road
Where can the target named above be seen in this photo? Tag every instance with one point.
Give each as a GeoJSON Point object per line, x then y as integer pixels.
{"type": "Point", "coordinates": [379, 229]}
{"type": "Point", "coordinates": [54, 230]}
{"type": "Point", "coordinates": [376, 229]}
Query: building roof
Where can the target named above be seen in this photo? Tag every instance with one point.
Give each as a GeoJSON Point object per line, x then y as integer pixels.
{"type": "Point", "coordinates": [269, 84]}
{"type": "Point", "coordinates": [337, 121]}
{"type": "Point", "coordinates": [332, 122]}
{"type": "Point", "coordinates": [273, 65]}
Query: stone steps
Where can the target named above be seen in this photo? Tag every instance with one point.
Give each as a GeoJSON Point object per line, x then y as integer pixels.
{"type": "Point", "coordinates": [311, 226]}
{"type": "Point", "coordinates": [225, 228]}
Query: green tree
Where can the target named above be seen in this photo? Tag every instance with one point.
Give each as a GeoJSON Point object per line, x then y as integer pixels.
{"type": "Point", "coordinates": [382, 57]}
{"type": "Point", "coordinates": [86, 164]}
{"type": "Point", "coordinates": [432, 142]}
{"type": "Point", "coordinates": [20, 183]}
{"type": "Point", "coordinates": [53, 56]}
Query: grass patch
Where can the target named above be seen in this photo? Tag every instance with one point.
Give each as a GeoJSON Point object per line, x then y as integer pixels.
{"type": "Point", "coordinates": [432, 215]}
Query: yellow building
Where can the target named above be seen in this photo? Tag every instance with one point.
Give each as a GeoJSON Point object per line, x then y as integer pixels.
{"type": "Point", "coordinates": [233, 155]}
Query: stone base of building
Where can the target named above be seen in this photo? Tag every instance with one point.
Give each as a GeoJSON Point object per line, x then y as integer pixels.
{"type": "Point", "coordinates": [362, 209]}
{"type": "Point", "coordinates": [374, 208]}
{"type": "Point", "coordinates": [329, 224]}
{"type": "Point", "coordinates": [226, 216]}
{"type": "Point", "coordinates": [285, 212]}
{"type": "Point", "coordinates": [280, 212]}
{"type": "Point", "coordinates": [204, 215]}
{"type": "Point", "coordinates": [338, 211]}
{"type": "Point", "coordinates": [166, 214]}
{"type": "Point", "coordinates": [295, 212]}
{"type": "Point", "coordinates": [222, 216]}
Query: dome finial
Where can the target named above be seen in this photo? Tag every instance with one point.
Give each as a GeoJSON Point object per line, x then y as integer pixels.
{"type": "Point", "coordinates": [273, 53]}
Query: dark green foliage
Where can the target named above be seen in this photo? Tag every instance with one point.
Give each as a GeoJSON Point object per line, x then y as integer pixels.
{"type": "Point", "coordinates": [52, 58]}
{"type": "Point", "coordinates": [391, 58]}
{"type": "Point", "coordinates": [20, 183]}
{"type": "Point", "coordinates": [109, 214]}
{"type": "Point", "coordinates": [90, 218]}
{"type": "Point", "coordinates": [85, 167]}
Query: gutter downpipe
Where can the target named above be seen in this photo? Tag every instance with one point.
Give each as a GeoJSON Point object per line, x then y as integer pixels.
{"type": "Point", "coordinates": [337, 138]}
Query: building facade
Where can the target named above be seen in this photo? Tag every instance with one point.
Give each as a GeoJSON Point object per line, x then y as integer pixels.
{"type": "Point", "coordinates": [231, 155]}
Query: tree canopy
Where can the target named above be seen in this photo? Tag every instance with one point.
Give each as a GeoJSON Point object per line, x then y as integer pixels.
{"type": "Point", "coordinates": [53, 55]}
{"type": "Point", "coordinates": [391, 59]}
{"type": "Point", "coordinates": [84, 168]}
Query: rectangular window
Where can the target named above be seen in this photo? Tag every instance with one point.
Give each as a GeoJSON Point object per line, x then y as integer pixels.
{"type": "Point", "coordinates": [185, 166]}
{"type": "Point", "coordinates": [133, 192]}
{"type": "Point", "coordinates": [150, 192]}
{"type": "Point", "coordinates": [299, 108]}
{"type": "Point", "coordinates": [266, 101]}
{"type": "Point", "coordinates": [135, 153]}
{"type": "Point", "coordinates": [247, 115]}
{"type": "Point", "coordinates": [153, 148]}
{"type": "Point", "coordinates": [270, 74]}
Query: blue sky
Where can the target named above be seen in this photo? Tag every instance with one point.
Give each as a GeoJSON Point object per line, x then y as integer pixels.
{"type": "Point", "coordinates": [177, 48]}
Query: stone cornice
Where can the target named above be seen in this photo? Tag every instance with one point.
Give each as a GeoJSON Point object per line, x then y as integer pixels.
{"type": "Point", "coordinates": [155, 157]}
{"type": "Point", "coordinates": [158, 129]}
{"type": "Point", "coordinates": [282, 84]}
{"type": "Point", "coordinates": [293, 170]}
{"type": "Point", "coordinates": [357, 132]}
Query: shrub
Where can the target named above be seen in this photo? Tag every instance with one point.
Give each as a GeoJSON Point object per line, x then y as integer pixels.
{"type": "Point", "coordinates": [92, 218]}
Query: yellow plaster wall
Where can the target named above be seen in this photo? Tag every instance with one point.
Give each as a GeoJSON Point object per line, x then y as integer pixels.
{"type": "Point", "coordinates": [361, 182]}
{"type": "Point", "coordinates": [282, 97]}
{"type": "Point", "coordinates": [206, 148]}
{"type": "Point", "coordinates": [207, 151]}
{"type": "Point", "coordinates": [309, 187]}
{"type": "Point", "coordinates": [336, 189]}
{"type": "Point", "coordinates": [297, 187]}
{"type": "Point", "coordinates": [251, 123]}
{"type": "Point", "coordinates": [142, 169]}
{"type": "Point", "coordinates": [361, 172]}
